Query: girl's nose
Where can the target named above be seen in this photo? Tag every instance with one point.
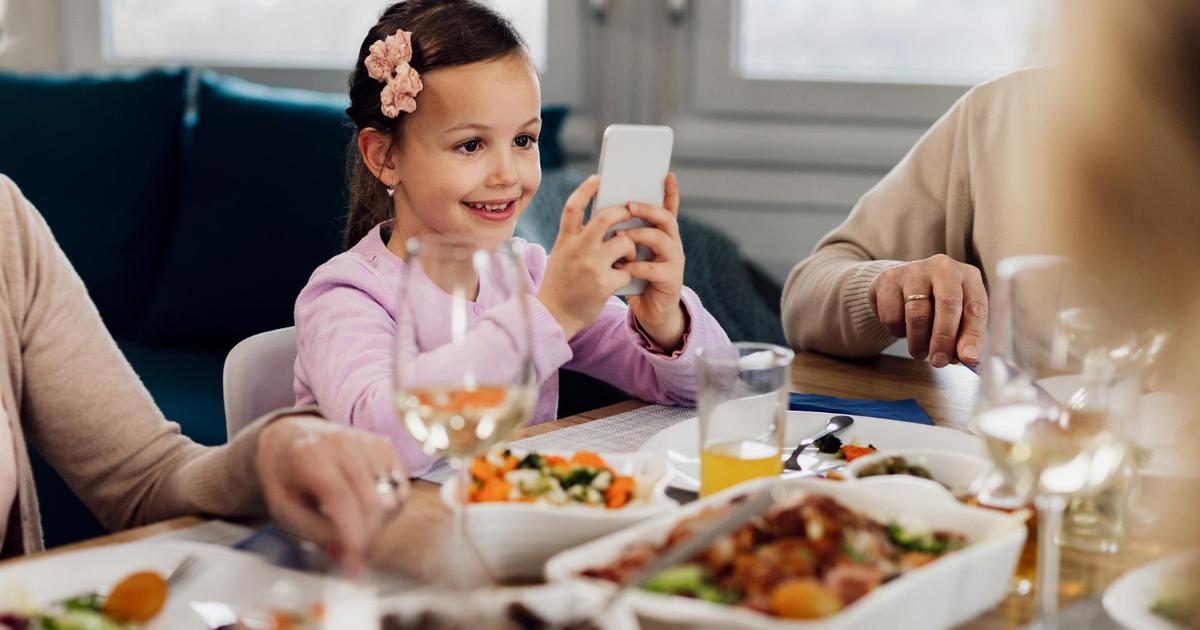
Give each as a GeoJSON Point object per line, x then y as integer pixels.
{"type": "Point", "coordinates": [504, 173]}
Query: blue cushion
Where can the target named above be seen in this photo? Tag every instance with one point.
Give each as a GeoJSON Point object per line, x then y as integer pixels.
{"type": "Point", "coordinates": [551, 153]}
{"type": "Point", "coordinates": [186, 385]}
{"type": "Point", "coordinates": [262, 204]}
{"type": "Point", "coordinates": [99, 157]}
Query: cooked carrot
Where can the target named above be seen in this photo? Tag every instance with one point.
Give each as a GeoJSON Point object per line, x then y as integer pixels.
{"type": "Point", "coordinates": [493, 490]}
{"type": "Point", "coordinates": [137, 598]}
{"type": "Point", "coordinates": [317, 611]}
{"type": "Point", "coordinates": [588, 458]}
{"type": "Point", "coordinates": [510, 463]}
{"type": "Point", "coordinates": [554, 461]}
{"type": "Point", "coordinates": [281, 620]}
{"type": "Point", "coordinates": [852, 452]}
{"type": "Point", "coordinates": [619, 492]}
{"type": "Point", "coordinates": [482, 470]}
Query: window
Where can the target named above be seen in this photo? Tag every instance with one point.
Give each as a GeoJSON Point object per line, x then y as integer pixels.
{"type": "Point", "coordinates": [895, 61]}
{"type": "Point", "coordinates": [889, 41]}
{"type": "Point", "coordinates": [267, 33]}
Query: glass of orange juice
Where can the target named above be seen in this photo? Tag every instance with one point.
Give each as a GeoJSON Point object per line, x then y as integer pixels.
{"type": "Point", "coordinates": [742, 402]}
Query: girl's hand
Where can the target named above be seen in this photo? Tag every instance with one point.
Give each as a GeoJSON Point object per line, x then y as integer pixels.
{"type": "Point", "coordinates": [321, 481]}
{"type": "Point", "coordinates": [658, 309]}
{"type": "Point", "coordinates": [580, 276]}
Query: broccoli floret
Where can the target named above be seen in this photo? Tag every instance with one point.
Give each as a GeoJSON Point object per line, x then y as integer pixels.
{"type": "Point", "coordinates": [579, 476]}
{"type": "Point", "coordinates": [532, 460]}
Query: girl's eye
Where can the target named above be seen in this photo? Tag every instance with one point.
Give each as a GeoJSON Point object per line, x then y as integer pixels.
{"type": "Point", "coordinates": [524, 141]}
{"type": "Point", "coordinates": [470, 146]}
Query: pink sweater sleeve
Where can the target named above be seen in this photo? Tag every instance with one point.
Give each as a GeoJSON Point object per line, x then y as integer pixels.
{"type": "Point", "coordinates": [346, 327]}
{"type": "Point", "coordinates": [614, 350]}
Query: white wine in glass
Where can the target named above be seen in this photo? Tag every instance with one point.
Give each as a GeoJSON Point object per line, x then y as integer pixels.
{"type": "Point", "coordinates": [1043, 447]}
{"type": "Point", "coordinates": [464, 422]}
{"type": "Point", "coordinates": [464, 376]}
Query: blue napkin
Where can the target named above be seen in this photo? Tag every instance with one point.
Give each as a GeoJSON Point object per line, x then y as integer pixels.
{"type": "Point", "coordinates": [906, 410]}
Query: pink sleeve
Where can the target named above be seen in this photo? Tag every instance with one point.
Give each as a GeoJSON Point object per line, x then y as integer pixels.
{"type": "Point", "coordinates": [614, 350]}
{"type": "Point", "coordinates": [346, 327]}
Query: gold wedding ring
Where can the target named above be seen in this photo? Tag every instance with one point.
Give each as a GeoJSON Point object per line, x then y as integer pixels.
{"type": "Point", "coordinates": [914, 297]}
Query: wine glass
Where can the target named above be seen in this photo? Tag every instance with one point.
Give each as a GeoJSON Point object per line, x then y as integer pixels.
{"type": "Point", "coordinates": [464, 375]}
{"type": "Point", "coordinates": [1043, 447]}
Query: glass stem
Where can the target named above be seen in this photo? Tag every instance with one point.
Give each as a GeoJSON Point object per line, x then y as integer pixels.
{"type": "Point", "coordinates": [1049, 513]}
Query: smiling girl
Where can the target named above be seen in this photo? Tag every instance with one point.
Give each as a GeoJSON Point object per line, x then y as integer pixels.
{"type": "Point", "coordinates": [447, 102]}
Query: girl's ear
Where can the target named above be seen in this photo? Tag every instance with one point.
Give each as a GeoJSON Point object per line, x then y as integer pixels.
{"type": "Point", "coordinates": [375, 147]}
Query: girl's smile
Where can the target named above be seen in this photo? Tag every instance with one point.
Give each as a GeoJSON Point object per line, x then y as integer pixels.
{"type": "Point", "coordinates": [492, 209]}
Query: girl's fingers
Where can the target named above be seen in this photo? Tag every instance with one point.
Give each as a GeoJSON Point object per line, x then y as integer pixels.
{"type": "Point", "coordinates": [617, 248]}
{"type": "Point", "coordinates": [659, 217]}
{"type": "Point", "coordinates": [650, 271]}
{"type": "Point", "coordinates": [572, 215]}
{"type": "Point", "coordinates": [671, 194]}
{"type": "Point", "coordinates": [665, 248]}
{"type": "Point", "coordinates": [603, 220]}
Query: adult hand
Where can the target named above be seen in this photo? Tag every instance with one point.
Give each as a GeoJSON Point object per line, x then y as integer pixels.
{"type": "Point", "coordinates": [321, 481]}
{"type": "Point", "coordinates": [580, 275]}
{"type": "Point", "coordinates": [949, 323]}
{"type": "Point", "coordinates": [658, 309]}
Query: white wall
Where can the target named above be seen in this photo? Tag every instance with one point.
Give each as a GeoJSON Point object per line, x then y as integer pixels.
{"type": "Point", "coordinates": [32, 31]}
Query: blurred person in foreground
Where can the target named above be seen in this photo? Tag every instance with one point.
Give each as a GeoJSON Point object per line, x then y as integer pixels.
{"type": "Point", "coordinates": [1115, 184]}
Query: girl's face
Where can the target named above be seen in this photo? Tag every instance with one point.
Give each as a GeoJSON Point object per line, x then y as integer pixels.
{"type": "Point", "coordinates": [467, 159]}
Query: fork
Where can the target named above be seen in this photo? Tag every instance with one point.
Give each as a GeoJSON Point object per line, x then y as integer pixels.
{"type": "Point", "coordinates": [181, 572]}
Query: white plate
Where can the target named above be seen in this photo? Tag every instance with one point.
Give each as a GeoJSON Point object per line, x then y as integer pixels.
{"type": "Point", "coordinates": [225, 583]}
{"type": "Point", "coordinates": [1162, 421]}
{"type": "Point", "coordinates": [516, 539]}
{"type": "Point", "coordinates": [557, 604]}
{"type": "Point", "coordinates": [680, 443]}
{"type": "Point", "coordinates": [1128, 600]}
{"type": "Point", "coordinates": [942, 594]}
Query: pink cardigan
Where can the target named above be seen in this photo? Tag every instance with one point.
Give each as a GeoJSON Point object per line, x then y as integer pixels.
{"type": "Point", "coordinates": [346, 326]}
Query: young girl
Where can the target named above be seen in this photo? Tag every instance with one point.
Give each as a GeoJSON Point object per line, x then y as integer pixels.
{"type": "Point", "coordinates": [447, 104]}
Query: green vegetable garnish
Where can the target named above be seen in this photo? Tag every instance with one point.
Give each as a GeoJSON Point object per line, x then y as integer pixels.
{"type": "Point", "coordinates": [532, 460]}
{"type": "Point", "coordinates": [580, 476]}
{"type": "Point", "coordinates": [691, 580]}
{"type": "Point", "coordinates": [830, 444]}
{"type": "Point", "coordinates": [927, 543]}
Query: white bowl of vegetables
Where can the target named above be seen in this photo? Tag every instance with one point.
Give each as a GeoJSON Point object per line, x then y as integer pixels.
{"type": "Point", "coordinates": [527, 506]}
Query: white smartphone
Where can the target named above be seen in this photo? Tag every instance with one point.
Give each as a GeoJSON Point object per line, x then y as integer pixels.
{"type": "Point", "coordinates": [634, 162]}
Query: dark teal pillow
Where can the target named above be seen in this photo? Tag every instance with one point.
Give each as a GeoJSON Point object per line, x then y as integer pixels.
{"type": "Point", "coordinates": [262, 204]}
{"type": "Point", "coordinates": [551, 153]}
{"type": "Point", "coordinates": [99, 157]}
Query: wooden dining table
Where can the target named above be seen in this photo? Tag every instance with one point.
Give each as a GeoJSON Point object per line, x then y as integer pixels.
{"type": "Point", "coordinates": [413, 542]}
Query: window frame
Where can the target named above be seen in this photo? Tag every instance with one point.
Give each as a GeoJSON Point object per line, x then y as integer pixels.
{"type": "Point", "coordinates": [719, 89]}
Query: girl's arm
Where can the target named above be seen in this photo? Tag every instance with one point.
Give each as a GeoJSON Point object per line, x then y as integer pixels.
{"type": "Point", "coordinates": [613, 349]}
{"type": "Point", "coordinates": [346, 328]}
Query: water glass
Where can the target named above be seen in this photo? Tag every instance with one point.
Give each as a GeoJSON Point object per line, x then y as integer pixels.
{"type": "Point", "coordinates": [742, 405]}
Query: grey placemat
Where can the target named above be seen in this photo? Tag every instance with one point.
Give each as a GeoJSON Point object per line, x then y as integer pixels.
{"type": "Point", "coordinates": [615, 434]}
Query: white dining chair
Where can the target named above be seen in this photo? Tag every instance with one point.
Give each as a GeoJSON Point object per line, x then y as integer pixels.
{"type": "Point", "coordinates": [258, 377]}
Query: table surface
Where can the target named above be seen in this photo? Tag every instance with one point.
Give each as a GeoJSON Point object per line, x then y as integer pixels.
{"type": "Point", "coordinates": [947, 395]}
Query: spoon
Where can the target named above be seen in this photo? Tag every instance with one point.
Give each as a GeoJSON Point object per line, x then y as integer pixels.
{"type": "Point", "coordinates": [836, 425]}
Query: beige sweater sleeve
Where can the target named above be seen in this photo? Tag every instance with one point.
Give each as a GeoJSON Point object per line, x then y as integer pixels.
{"type": "Point", "coordinates": [921, 208]}
{"type": "Point", "coordinates": [85, 410]}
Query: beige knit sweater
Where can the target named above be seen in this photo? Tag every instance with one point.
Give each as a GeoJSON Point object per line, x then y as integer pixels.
{"type": "Point", "coordinates": [952, 194]}
{"type": "Point", "coordinates": [69, 393]}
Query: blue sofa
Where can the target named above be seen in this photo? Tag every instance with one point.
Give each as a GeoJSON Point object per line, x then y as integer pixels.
{"type": "Point", "coordinates": [195, 206]}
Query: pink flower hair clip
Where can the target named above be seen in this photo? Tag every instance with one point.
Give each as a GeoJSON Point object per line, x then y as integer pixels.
{"type": "Point", "coordinates": [388, 63]}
